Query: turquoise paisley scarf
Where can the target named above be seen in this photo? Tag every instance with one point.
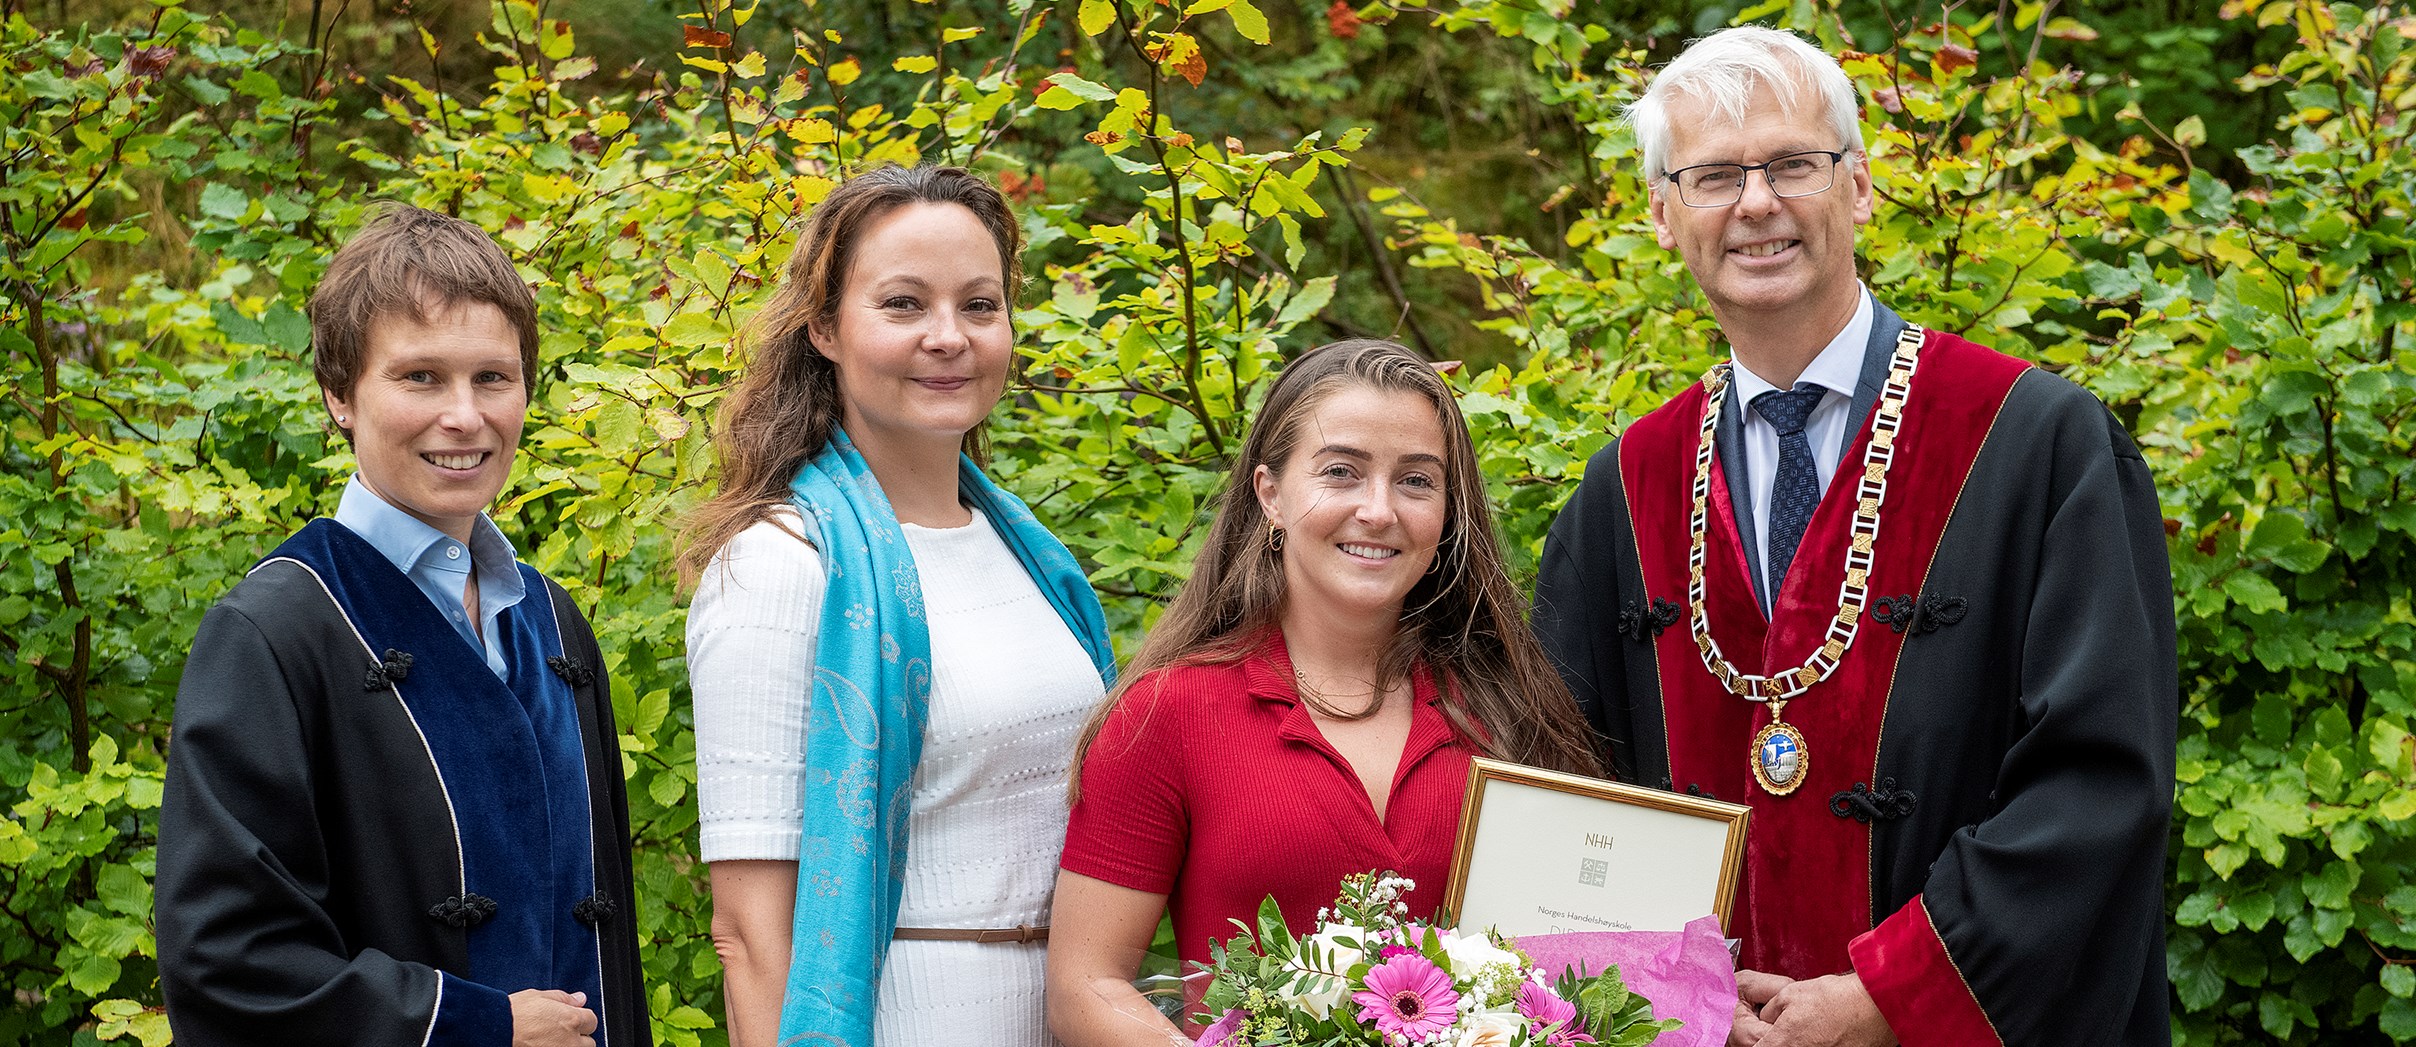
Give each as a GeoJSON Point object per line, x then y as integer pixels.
{"type": "Point", "coordinates": [869, 699]}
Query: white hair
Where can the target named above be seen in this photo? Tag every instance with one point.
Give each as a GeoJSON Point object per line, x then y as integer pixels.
{"type": "Point", "coordinates": [1722, 70]}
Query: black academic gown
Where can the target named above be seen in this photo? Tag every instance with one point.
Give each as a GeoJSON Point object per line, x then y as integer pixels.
{"type": "Point", "coordinates": [1980, 833]}
{"type": "Point", "coordinates": [369, 839]}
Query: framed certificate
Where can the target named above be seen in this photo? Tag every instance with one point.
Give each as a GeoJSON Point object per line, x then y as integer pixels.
{"type": "Point", "coordinates": [1543, 852]}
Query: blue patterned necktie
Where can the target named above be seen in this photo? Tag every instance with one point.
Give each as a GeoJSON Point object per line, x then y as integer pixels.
{"type": "Point", "coordinates": [1795, 491]}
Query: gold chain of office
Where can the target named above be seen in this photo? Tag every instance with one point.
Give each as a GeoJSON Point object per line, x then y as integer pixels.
{"type": "Point", "coordinates": [1853, 597]}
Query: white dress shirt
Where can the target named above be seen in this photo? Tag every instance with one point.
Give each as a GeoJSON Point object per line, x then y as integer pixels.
{"type": "Point", "coordinates": [1838, 369]}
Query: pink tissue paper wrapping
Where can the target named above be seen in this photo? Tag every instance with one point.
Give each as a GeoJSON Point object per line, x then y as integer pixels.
{"type": "Point", "coordinates": [1687, 974]}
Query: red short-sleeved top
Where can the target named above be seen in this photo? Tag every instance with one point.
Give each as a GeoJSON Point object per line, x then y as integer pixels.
{"type": "Point", "coordinates": [1211, 785]}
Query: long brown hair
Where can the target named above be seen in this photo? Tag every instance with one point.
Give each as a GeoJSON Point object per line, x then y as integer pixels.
{"type": "Point", "coordinates": [1461, 620]}
{"type": "Point", "coordinates": [787, 404]}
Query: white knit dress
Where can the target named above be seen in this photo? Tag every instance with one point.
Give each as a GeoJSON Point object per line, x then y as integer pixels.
{"type": "Point", "coordinates": [1010, 688]}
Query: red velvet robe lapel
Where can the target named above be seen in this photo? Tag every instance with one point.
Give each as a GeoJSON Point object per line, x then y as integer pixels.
{"type": "Point", "coordinates": [1806, 890]}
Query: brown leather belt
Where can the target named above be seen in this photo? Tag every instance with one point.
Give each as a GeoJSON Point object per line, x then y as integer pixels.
{"type": "Point", "coordinates": [1016, 935]}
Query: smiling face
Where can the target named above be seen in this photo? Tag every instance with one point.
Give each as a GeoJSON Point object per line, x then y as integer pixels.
{"type": "Point", "coordinates": [1767, 264]}
{"type": "Point", "coordinates": [437, 411]}
{"type": "Point", "coordinates": [922, 338]}
{"type": "Point", "coordinates": [1361, 500]}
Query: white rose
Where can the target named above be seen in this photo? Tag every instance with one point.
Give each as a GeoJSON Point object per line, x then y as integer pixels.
{"type": "Point", "coordinates": [1471, 953]}
{"type": "Point", "coordinates": [1490, 1029]}
{"type": "Point", "coordinates": [1324, 988]}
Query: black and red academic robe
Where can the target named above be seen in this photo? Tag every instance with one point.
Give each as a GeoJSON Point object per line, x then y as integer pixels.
{"type": "Point", "coordinates": [367, 838]}
{"type": "Point", "coordinates": [1980, 833]}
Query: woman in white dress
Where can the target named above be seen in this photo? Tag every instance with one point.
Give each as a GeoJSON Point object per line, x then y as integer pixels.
{"type": "Point", "coordinates": [890, 657]}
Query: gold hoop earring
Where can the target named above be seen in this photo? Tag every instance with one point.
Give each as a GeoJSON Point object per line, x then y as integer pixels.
{"type": "Point", "coordinates": [1275, 538]}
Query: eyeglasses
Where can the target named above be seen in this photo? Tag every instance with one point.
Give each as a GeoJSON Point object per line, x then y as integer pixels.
{"type": "Point", "coordinates": [1792, 175]}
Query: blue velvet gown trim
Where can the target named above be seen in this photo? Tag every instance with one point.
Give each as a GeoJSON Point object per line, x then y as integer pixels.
{"type": "Point", "coordinates": [510, 762]}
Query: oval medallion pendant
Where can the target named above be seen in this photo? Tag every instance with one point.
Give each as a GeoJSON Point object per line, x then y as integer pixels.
{"type": "Point", "coordinates": [1780, 759]}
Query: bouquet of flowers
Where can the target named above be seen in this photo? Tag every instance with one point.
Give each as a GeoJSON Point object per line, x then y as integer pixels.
{"type": "Point", "coordinates": [1368, 975]}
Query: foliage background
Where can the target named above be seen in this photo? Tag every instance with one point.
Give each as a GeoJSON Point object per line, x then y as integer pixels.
{"type": "Point", "coordinates": [2200, 211]}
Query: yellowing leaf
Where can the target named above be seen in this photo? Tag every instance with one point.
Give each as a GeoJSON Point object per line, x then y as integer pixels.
{"type": "Point", "coordinates": [915, 64]}
{"type": "Point", "coordinates": [950, 36]}
{"type": "Point", "coordinates": [2069, 29]}
{"type": "Point", "coordinates": [1081, 88]}
{"type": "Point", "coordinates": [749, 67]}
{"type": "Point", "coordinates": [546, 189]}
{"type": "Point", "coordinates": [1057, 98]}
{"type": "Point", "coordinates": [2190, 132]}
{"type": "Point", "coordinates": [1249, 21]}
{"type": "Point", "coordinates": [1183, 58]}
{"type": "Point", "coordinates": [846, 72]}
{"type": "Point", "coordinates": [554, 40]}
{"type": "Point", "coordinates": [1096, 16]}
{"type": "Point", "coordinates": [693, 329]}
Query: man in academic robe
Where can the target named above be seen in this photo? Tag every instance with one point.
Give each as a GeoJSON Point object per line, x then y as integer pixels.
{"type": "Point", "coordinates": [394, 812]}
{"type": "Point", "coordinates": [1906, 597]}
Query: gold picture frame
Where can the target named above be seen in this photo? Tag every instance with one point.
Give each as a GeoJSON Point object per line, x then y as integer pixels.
{"type": "Point", "coordinates": [1542, 819]}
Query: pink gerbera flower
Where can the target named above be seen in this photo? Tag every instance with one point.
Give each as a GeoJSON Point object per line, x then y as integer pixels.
{"type": "Point", "coordinates": [1408, 998]}
{"type": "Point", "coordinates": [1544, 1009]}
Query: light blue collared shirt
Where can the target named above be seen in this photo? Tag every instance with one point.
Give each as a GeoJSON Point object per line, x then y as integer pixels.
{"type": "Point", "coordinates": [1837, 370]}
{"type": "Point", "coordinates": [441, 567]}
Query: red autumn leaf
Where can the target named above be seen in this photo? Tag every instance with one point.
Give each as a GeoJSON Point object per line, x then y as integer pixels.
{"type": "Point", "coordinates": [75, 219]}
{"type": "Point", "coordinates": [1889, 98]}
{"type": "Point", "coordinates": [515, 222]}
{"type": "Point", "coordinates": [149, 62]}
{"type": "Point", "coordinates": [1342, 20]}
{"type": "Point", "coordinates": [2171, 527]}
{"type": "Point", "coordinates": [1103, 138]}
{"type": "Point", "coordinates": [1956, 56]}
{"type": "Point", "coordinates": [630, 231]}
{"type": "Point", "coordinates": [587, 142]}
{"type": "Point", "coordinates": [1193, 67]}
{"type": "Point", "coordinates": [1062, 372]}
{"type": "Point", "coordinates": [698, 36]}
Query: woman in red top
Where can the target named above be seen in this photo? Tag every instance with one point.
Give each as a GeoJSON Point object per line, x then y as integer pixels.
{"type": "Point", "coordinates": [1307, 706]}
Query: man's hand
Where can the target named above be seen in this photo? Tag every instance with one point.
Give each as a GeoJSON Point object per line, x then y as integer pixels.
{"type": "Point", "coordinates": [1823, 1012]}
{"type": "Point", "coordinates": [551, 1018]}
{"type": "Point", "coordinates": [1753, 990]}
